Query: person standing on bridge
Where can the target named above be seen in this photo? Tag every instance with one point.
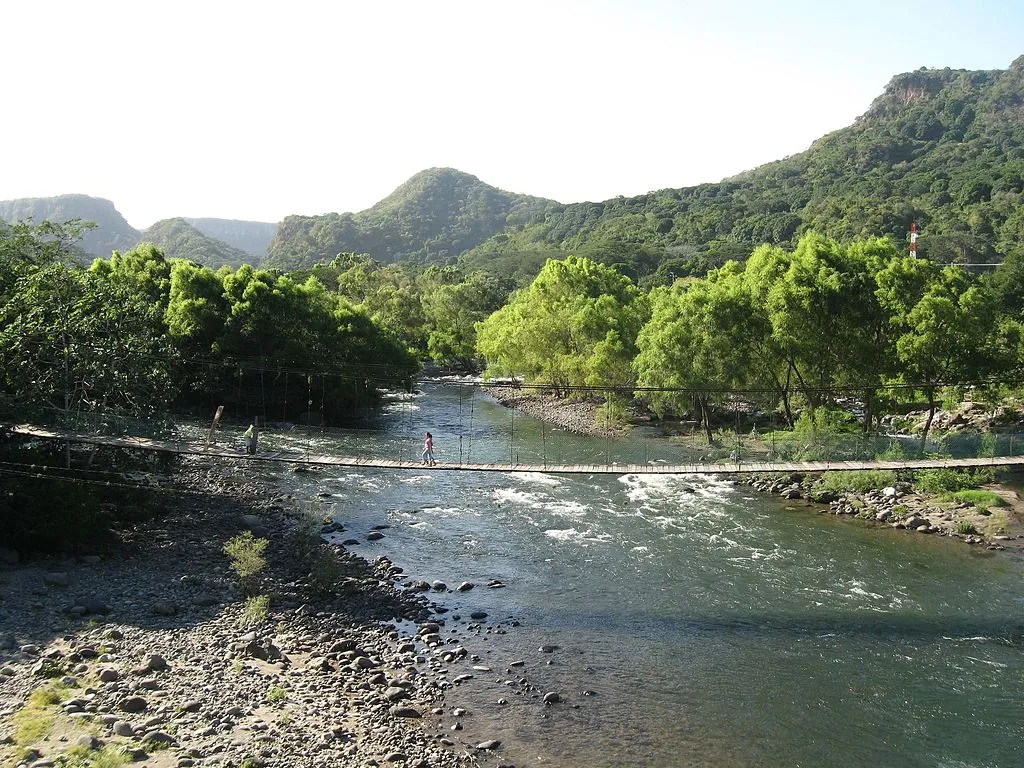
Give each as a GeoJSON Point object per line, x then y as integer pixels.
{"type": "Point", "coordinates": [252, 437]}
{"type": "Point", "coordinates": [428, 450]}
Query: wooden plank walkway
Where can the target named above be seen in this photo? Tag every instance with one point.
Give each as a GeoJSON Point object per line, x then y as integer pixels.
{"type": "Point", "coordinates": [654, 468]}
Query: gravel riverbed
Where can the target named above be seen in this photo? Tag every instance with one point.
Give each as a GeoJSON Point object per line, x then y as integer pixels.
{"type": "Point", "coordinates": [156, 653]}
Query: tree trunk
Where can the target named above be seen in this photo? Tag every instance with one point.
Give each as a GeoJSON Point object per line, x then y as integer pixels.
{"type": "Point", "coordinates": [868, 397]}
{"type": "Point", "coordinates": [705, 415]}
{"type": "Point", "coordinates": [931, 415]}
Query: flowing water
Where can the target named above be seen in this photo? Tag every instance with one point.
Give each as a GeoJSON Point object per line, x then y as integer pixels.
{"type": "Point", "coordinates": [697, 622]}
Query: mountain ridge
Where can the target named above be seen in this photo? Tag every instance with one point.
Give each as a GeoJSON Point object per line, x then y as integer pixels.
{"type": "Point", "coordinates": [940, 147]}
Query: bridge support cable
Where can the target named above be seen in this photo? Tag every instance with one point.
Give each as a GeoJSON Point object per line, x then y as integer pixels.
{"type": "Point", "coordinates": [543, 430]}
{"type": "Point", "coordinates": [309, 415]}
{"type": "Point", "coordinates": [472, 404]}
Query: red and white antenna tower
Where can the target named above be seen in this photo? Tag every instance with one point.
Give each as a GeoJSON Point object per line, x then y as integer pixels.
{"type": "Point", "coordinates": [913, 238]}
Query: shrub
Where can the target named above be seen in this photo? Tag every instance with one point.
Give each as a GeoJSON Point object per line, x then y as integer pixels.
{"type": "Point", "coordinates": [246, 553]}
{"type": "Point", "coordinates": [276, 694]}
{"type": "Point", "coordinates": [325, 570]}
{"type": "Point", "coordinates": [256, 610]}
{"type": "Point", "coordinates": [965, 528]}
{"type": "Point", "coordinates": [858, 480]}
{"type": "Point", "coordinates": [826, 421]}
{"type": "Point", "coordinates": [951, 480]}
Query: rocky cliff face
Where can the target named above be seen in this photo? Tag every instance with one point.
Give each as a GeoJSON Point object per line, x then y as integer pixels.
{"type": "Point", "coordinates": [111, 232]}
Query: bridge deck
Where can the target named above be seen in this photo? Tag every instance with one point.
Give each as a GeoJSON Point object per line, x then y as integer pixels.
{"type": "Point", "coordinates": [292, 457]}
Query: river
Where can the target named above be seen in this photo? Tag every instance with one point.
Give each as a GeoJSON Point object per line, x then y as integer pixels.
{"type": "Point", "coordinates": [697, 622]}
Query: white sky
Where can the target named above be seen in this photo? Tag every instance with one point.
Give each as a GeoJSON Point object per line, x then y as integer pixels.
{"type": "Point", "coordinates": [256, 110]}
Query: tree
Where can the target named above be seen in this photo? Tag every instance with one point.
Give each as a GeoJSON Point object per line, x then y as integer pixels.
{"type": "Point", "coordinates": [550, 332]}
{"type": "Point", "coordinates": [947, 326]}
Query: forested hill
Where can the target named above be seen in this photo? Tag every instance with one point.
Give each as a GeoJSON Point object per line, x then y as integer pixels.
{"type": "Point", "coordinates": [111, 232]}
{"type": "Point", "coordinates": [942, 147]}
{"type": "Point", "coordinates": [253, 237]}
{"type": "Point", "coordinates": [180, 240]}
{"type": "Point", "coordinates": [433, 217]}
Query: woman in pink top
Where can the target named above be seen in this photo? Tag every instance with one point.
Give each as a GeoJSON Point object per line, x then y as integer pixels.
{"type": "Point", "coordinates": [428, 450]}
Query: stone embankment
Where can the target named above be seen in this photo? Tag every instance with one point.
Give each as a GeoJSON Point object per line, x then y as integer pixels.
{"type": "Point", "coordinates": [155, 652]}
{"type": "Point", "coordinates": [896, 506]}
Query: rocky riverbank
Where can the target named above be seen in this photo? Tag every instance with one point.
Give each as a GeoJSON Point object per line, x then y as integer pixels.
{"type": "Point", "coordinates": [900, 507]}
{"type": "Point", "coordinates": [583, 416]}
{"type": "Point", "coordinates": [152, 650]}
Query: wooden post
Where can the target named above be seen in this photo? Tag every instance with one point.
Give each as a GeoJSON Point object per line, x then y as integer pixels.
{"type": "Point", "coordinates": [216, 421]}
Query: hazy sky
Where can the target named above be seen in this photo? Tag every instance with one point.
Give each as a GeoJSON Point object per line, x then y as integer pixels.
{"type": "Point", "coordinates": [256, 110]}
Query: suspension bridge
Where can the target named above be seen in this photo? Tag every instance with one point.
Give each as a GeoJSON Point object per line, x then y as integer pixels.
{"type": "Point", "coordinates": [660, 467]}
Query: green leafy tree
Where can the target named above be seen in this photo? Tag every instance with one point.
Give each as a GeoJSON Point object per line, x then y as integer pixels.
{"type": "Point", "coordinates": [550, 332]}
{"type": "Point", "coordinates": [947, 326]}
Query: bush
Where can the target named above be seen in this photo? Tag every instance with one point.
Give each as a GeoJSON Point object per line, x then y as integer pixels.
{"type": "Point", "coordinates": [826, 421]}
{"type": "Point", "coordinates": [256, 610]}
{"type": "Point", "coordinates": [965, 528]}
{"type": "Point", "coordinates": [858, 480]}
{"type": "Point", "coordinates": [246, 553]}
{"type": "Point", "coordinates": [951, 480]}
{"type": "Point", "coordinates": [324, 569]}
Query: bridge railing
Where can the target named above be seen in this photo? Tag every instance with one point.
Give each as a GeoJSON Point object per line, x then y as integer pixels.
{"type": "Point", "coordinates": [527, 442]}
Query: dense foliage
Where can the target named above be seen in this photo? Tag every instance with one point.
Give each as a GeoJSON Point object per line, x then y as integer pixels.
{"type": "Point", "coordinates": [432, 218]}
{"type": "Point", "coordinates": [575, 325]}
{"type": "Point", "coordinates": [944, 148]}
{"type": "Point", "coordinates": [139, 333]}
{"type": "Point", "coordinates": [180, 240]}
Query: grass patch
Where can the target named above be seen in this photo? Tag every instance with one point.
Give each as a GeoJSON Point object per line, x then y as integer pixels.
{"type": "Point", "coordinates": [980, 499]}
{"type": "Point", "coordinates": [35, 720]}
{"type": "Point", "coordinates": [276, 694]}
{"type": "Point", "coordinates": [105, 757]}
{"type": "Point", "coordinates": [860, 481]}
{"type": "Point", "coordinates": [256, 610]}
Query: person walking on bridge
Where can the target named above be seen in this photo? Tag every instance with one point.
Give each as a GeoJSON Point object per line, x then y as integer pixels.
{"type": "Point", "coordinates": [428, 450]}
